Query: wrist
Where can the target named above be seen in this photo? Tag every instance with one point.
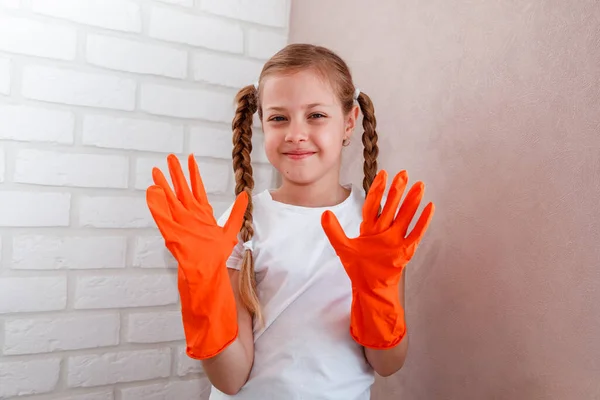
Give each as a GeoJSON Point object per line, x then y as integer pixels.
{"type": "Point", "coordinates": [377, 317]}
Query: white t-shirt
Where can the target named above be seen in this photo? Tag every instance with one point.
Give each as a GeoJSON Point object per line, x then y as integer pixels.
{"type": "Point", "coordinates": [304, 351]}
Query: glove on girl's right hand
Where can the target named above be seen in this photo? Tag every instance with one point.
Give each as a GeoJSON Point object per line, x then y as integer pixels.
{"type": "Point", "coordinates": [201, 248]}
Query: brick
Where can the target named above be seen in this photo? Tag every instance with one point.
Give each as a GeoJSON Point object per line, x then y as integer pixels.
{"type": "Point", "coordinates": [118, 15]}
{"type": "Point", "coordinates": [186, 3]}
{"type": "Point", "coordinates": [43, 335]}
{"type": "Point", "coordinates": [264, 44]}
{"type": "Point", "coordinates": [117, 291]}
{"type": "Point", "coordinates": [10, 3]}
{"type": "Point", "coordinates": [132, 134]}
{"type": "Point", "coordinates": [196, 389]}
{"type": "Point", "coordinates": [186, 103]}
{"type": "Point", "coordinates": [215, 175]}
{"type": "Point", "coordinates": [135, 56]}
{"type": "Point", "coordinates": [19, 378]}
{"type": "Point", "coordinates": [211, 142]}
{"type": "Point", "coordinates": [150, 252]}
{"type": "Point", "coordinates": [106, 394]}
{"type": "Point", "coordinates": [32, 294]}
{"type": "Point", "coordinates": [125, 366]}
{"type": "Point", "coordinates": [2, 164]}
{"type": "Point", "coordinates": [30, 209]}
{"type": "Point", "coordinates": [5, 75]}
{"type": "Point", "coordinates": [220, 206]}
{"type": "Point", "coordinates": [258, 148]}
{"type": "Point", "coordinates": [25, 36]}
{"type": "Point", "coordinates": [69, 169]}
{"type": "Point", "coordinates": [195, 30]}
{"type": "Point", "coordinates": [204, 141]}
{"type": "Point", "coordinates": [59, 85]}
{"type": "Point", "coordinates": [187, 365]}
{"type": "Point", "coordinates": [263, 177]}
{"type": "Point", "coordinates": [225, 70]}
{"type": "Point", "coordinates": [59, 252]}
{"type": "Point", "coordinates": [114, 212]}
{"type": "Point", "coordinates": [155, 327]}
{"type": "Point", "coordinates": [36, 124]}
{"type": "Point", "coordinates": [265, 12]}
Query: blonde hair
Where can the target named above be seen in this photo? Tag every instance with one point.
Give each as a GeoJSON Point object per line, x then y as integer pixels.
{"type": "Point", "coordinates": [292, 58]}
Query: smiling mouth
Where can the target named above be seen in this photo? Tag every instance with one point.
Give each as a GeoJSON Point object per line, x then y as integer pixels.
{"type": "Point", "coordinates": [298, 155]}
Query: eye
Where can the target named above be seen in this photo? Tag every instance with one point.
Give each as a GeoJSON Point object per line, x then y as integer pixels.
{"type": "Point", "coordinates": [317, 115]}
{"type": "Point", "coordinates": [277, 118]}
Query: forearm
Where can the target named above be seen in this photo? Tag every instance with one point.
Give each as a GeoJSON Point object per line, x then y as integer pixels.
{"type": "Point", "coordinates": [229, 370]}
{"type": "Point", "coordinates": [386, 362]}
{"type": "Point", "coordinates": [389, 361]}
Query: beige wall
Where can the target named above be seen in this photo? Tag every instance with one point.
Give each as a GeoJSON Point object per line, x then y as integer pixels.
{"type": "Point", "coordinates": [495, 105]}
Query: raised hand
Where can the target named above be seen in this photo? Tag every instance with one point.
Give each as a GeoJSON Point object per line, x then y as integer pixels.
{"type": "Point", "coordinates": [374, 260]}
{"type": "Point", "coordinates": [201, 248]}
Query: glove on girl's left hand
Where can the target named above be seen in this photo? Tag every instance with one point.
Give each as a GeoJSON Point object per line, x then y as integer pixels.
{"type": "Point", "coordinates": [374, 260]}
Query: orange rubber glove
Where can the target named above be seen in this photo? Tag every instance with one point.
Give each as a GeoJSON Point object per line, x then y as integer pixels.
{"type": "Point", "coordinates": [374, 260]}
{"type": "Point", "coordinates": [201, 247]}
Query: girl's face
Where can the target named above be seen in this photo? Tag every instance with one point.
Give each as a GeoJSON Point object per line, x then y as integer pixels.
{"type": "Point", "coordinates": [304, 127]}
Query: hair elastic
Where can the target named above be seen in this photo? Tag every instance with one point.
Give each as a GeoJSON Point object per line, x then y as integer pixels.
{"type": "Point", "coordinates": [256, 85]}
{"type": "Point", "coordinates": [248, 245]}
{"type": "Point", "coordinates": [356, 93]}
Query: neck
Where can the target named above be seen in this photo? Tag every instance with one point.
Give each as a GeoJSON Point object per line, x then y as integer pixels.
{"type": "Point", "coordinates": [322, 193]}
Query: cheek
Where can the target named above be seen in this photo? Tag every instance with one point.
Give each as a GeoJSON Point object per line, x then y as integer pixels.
{"type": "Point", "coordinates": [329, 139]}
{"type": "Point", "coordinates": [271, 145]}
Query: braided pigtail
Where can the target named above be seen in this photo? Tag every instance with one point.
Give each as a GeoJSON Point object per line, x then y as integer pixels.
{"type": "Point", "coordinates": [369, 139]}
{"type": "Point", "coordinates": [246, 105]}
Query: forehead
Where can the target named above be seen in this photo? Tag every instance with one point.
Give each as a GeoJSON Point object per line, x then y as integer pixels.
{"type": "Point", "coordinates": [301, 87]}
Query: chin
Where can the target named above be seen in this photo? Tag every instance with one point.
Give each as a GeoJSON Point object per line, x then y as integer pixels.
{"type": "Point", "coordinates": [303, 178]}
{"type": "Point", "coordinates": [299, 179]}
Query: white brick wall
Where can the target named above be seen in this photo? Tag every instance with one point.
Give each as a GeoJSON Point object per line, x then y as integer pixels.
{"type": "Point", "coordinates": [40, 335]}
{"type": "Point", "coordinates": [20, 294]}
{"type": "Point", "coordinates": [68, 252]}
{"type": "Point", "coordinates": [154, 327]}
{"type": "Point", "coordinates": [36, 124]}
{"type": "Point", "coordinates": [34, 209]}
{"type": "Point", "coordinates": [188, 389]}
{"type": "Point", "coordinates": [5, 75]}
{"type": "Point", "coordinates": [68, 86]}
{"type": "Point", "coordinates": [136, 56]}
{"type": "Point", "coordinates": [17, 377]}
{"type": "Point", "coordinates": [25, 36]}
{"type": "Point", "coordinates": [120, 15]}
{"type": "Point", "coordinates": [93, 94]}
{"type": "Point", "coordinates": [125, 366]}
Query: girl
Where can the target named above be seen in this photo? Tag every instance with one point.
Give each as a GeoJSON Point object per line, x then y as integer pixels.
{"type": "Point", "coordinates": [298, 292]}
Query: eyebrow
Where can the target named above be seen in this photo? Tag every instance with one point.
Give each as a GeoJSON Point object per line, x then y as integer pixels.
{"type": "Point", "coordinates": [308, 106]}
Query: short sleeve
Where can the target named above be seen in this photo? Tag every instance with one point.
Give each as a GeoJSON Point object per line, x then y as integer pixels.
{"type": "Point", "coordinates": [235, 259]}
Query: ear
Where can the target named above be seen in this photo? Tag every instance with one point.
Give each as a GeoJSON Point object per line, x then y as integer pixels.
{"type": "Point", "coordinates": [351, 121]}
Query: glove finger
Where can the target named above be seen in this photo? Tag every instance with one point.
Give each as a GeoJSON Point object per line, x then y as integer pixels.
{"type": "Point", "coordinates": [198, 190]}
{"type": "Point", "coordinates": [196, 181]}
{"type": "Point", "coordinates": [393, 200]}
{"type": "Point", "coordinates": [373, 203]}
{"type": "Point", "coordinates": [422, 224]}
{"type": "Point", "coordinates": [159, 208]}
{"type": "Point", "coordinates": [175, 205]}
{"type": "Point", "coordinates": [179, 183]}
{"type": "Point", "coordinates": [409, 208]}
{"type": "Point", "coordinates": [334, 231]}
{"type": "Point", "coordinates": [236, 218]}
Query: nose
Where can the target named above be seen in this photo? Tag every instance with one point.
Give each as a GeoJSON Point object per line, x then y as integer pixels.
{"type": "Point", "coordinates": [297, 132]}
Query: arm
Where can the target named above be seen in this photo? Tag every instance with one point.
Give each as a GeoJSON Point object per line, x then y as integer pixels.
{"type": "Point", "coordinates": [375, 263]}
{"type": "Point", "coordinates": [389, 361]}
{"type": "Point", "coordinates": [229, 370]}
